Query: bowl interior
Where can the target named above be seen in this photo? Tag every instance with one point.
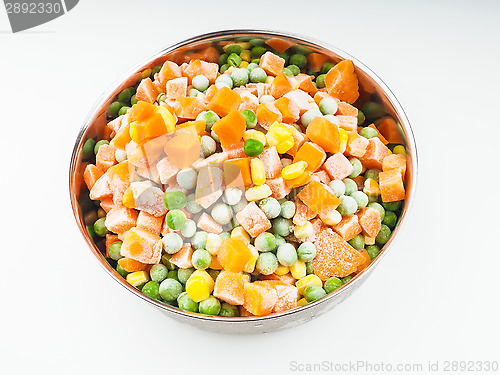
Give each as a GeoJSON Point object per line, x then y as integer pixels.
{"type": "Point", "coordinates": [372, 89]}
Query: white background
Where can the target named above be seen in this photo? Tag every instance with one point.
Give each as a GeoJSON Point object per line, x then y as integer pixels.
{"type": "Point", "coordinates": [433, 298]}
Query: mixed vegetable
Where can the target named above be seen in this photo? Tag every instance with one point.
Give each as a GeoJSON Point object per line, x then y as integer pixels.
{"type": "Point", "coordinates": [242, 179]}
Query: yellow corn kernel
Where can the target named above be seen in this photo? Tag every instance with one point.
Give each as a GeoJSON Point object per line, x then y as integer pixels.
{"type": "Point", "coordinates": [243, 45]}
{"type": "Point", "coordinates": [285, 145]}
{"type": "Point", "coordinates": [255, 134]}
{"type": "Point", "coordinates": [269, 79]}
{"type": "Point", "coordinates": [206, 276]}
{"type": "Point", "coordinates": [303, 231]}
{"type": "Point", "coordinates": [250, 266]}
{"type": "Point", "coordinates": [213, 244]}
{"type": "Point", "coordinates": [304, 282]}
{"type": "Point", "coordinates": [371, 187]}
{"type": "Point", "coordinates": [282, 131]}
{"type": "Point", "coordinates": [294, 170]}
{"type": "Point", "coordinates": [399, 150]}
{"type": "Point", "coordinates": [271, 139]}
{"type": "Point", "coordinates": [146, 73]}
{"type": "Point", "coordinates": [369, 240]}
{"type": "Point", "coordinates": [282, 270]}
{"type": "Point", "coordinates": [302, 302]}
{"type": "Point", "coordinates": [334, 217]}
{"type": "Point", "coordinates": [197, 288]}
{"type": "Point", "coordinates": [258, 192]}
{"type": "Point", "coordinates": [258, 172]}
{"type": "Point", "coordinates": [239, 232]}
{"type": "Point", "coordinates": [137, 278]}
{"type": "Point", "coordinates": [246, 56]}
{"type": "Point", "coordinates": [243, 64]}
{"type": "Point", "coordinates": [298, 270]}
{"type": "Point", "coordinates": [344, 138]}
{"type": "Point", "coordinates": [168, 117]}
{"type": "Point", "coordinates": [128, 198]}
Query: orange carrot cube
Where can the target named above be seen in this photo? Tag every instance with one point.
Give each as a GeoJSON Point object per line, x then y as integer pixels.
{"type": "Point", "coordinates": [260, 297]}
{"type": "Point", "coordinates": [375, 153]}
{"type": "Point", "coordinates": [394, 161]}
{"type": "Point", "coordinates": [234, 255]}
{"type": "Point", "coordinates": [289, 109]}
{"type": "Point", "coordinates": [272, 162]}
{"type": "Point", "coordinates": [183, 258]}
{"type": "Point", "coordinates": [324, 133]}
{"type": "Point", "coordinates": [253, 220]}
{"type": "Point", "coordinates": [338, 166]}
{"type": "Point", "coordinates": [278, 187]}
{"type": "Point", "coordinates": [319, 198]}
{"type": "Point", "coordinates": [271, 63]}
{"type": "Point", "coordinates": [230, 129]}
{"type": "Point", "coordinates": [229, 287]}
{"type": "Point", "coordinates": [348, 227]}
{"type": "Point", "coordinates": [208, 224]}
{"type": "Point", "coordinates": [312, 154]}
{"type": "Point", "coordinates": [345, 109]}
{"type": "Point", "coordinates": [91, 174]}
{"type": "Point", "coordinates": [268, 114]}
{"type": "Point", "coordinates": [188, 108]}
{"type": "Point", "coordinates": [237, 172]}
{"type": "Point", "coordinates": [391, 184]}
{"type": "Point", "coordinates": [147, 91]}
{"type": "Point", "coordinates": [348, 123]}
{"type": "Point", "coordinates": [146, 221]}
{"type": "Point", "coordinates": [342, 82]}
{"type": "Point", "coordinates": [370, 221]}
{"type": "Point", "coordinates": [224, 101]}
{"type": "Point", "coordinates": [105, 157]}
{"type": "Point", "coordinates": [280, 86]}
{"type": "Point", "coordinates": [356, 145]}
{"type": "Point", "coordinates": [142, 245]}
{"type": "Point", "coordinates": [168, 71]}
{"type": "Point", "coordinates": [120, 219]}
{"type": "Point", "coordinates": [177, 88]}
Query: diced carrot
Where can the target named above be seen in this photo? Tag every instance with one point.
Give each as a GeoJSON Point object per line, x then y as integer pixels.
{"type": "Point", "coordinates": [391, 185]}
{"type": "Point", "coordinates": [91, 174]}
{"type": "Point", "coordinates": [260, 298]}
{"type": "Point", "coordinates": [271, 63]}
{"type": "Point", "coordinates": [375, 153]}
{"type": "Point", "coordinates": [224, 101]}
{"type": "Point", "coordinates": [193, 69]}
{"type": "Point", "coordinates": [234, 254]}
{"type": "Point", "coordinates": [268, 114]}
{"type": "Point", "coordinates": [348, 123]}
{"type": "Point", "coordinates": [237, 172]}
{"type": "Point", "coordinates": [122, 137]}
{"type": "Point", "coordinates": [280, 45]}
{"type": "Point", "coordinates": [278, 187]}
{"type": "Point", "coordinates": [209, 185]}
{"type": "Point", "coordinates": [280, 86]}
{"type": "Point", "coordinates": [348, 227]}
{"type": "Point", "coordinates": [302, 213]}
{"type": "Point", "coordinates": [132, 265]}
{"type": "Point", "coordinates": [334, 256]}
{"type": "Point", "coordinates": [121, 219]}
{"type": "Point", "coordinates": [105, 157]}
{"type": "Point", "coordinates": [366, 262]}
{"type": "Point", "coordinates": [168, 71]}
{"type": "Point", "coordinates": [306, 83]}
{"type": "Point", "coordinates": [253, 220]}
{"type": "Point", "coordinates": [342, 82]}
{"type": "Point", "coordinates": [230, 129]}
{"type": "Point", "coordinates": [149, 222]}
{"type": "Point", "coordinates": [183, 150]}
{"type": "Point", "coordinates": [390, 130]}
{"type": "Point", "coordinates": [322, 176]}
{"type": "Point", "coordinates": [272, 162]}
{"type": "Point", "coordinates": [183, 258]}
{"type": "Point", "coordinates": [394, 161]}
{"type": "Point", "coordinates": [316, 61]}
{"type": "Point", "coordinates": [345, 109]}
{"type": "Point", "coordinates": [356, 145]}
{"type": "Point", "coordinates": [229, 287]}
{"type": "Point", "coordinates": [324, 133]}
{"type": "Point", "coordinates": [301, 100]}
{"type": "Point", "coordinates": [146, 91]}
{"type": "Point", "coordinates": [338, 166]}
{"type": "Point", "coordinates": [311, 153]}
{"type": "Point", "coordinates": [289, 109]}
{"type": "Point", "coordinates": [211, 91]}
{"type": "Point", "coordinates": [208, 224]}
{"type": "Point", "coordinates": [177, 88]}
{"type": "Point", "coordinates": [380, 136]}
{"type": "Point", "coordinates": [188, 108]}
{"type": "Point", "coordinates": [370, 221]}
{"type": "Point", "coordinates": [319, 198]}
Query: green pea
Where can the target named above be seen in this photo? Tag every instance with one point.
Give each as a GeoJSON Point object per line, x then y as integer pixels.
{"type": "Point", "coordinates": [257, 42]}
{"type": "Point", "coordinates": [165, 259]}
{"type": "Point", "coordinates": [309, 267]}
{"type": "Point", "coordinates": [383, 235]}
{"type": "Point", "coordinates": [348, 206]}
{"type": "Point", "coordinates": [223, 59]}
{"type": "Point", "coordinates": [210, 119]}
{"type": "Point", "coordinates": [379, 208]}
{"type": "Point", "coordinates": [193, 93]}
{"type": "Point", "coordinates": [234, 48]}
{"type": "Point", "coordinates": [326, 67]}
{"type": "Point", "coordinates": [210, 306]}
{"type": "Point", "coordinates": [350, 186]}
{"type": "Point", "coordinates": [258, 75]}
{"type": "Point", "coordinates": [152, 289]}
{"type": "Point", "coordinates": [279, 241]}
{"type": "Point", "coordinates": [372, 174]}
{"type": "Point", "coordinates": [306, 251]}
{"type": "Point", "coordinates": [155, 70]}
{"type": "Point", "coordinates": [99, 144]}
{"type": "Point", "coordinates": [258, 51]}
{"type": "Point", "coordinates": [202, 259]}
{"type": "Point", "coordinates": [123, 110]}
{"type": "Point", "coordinates": [372, 251]}
{"type": "Point", "coordinates": [390, 219]}
{"type": "Point", "coordinates": [267, 263]}
{"type": "Point", "coordinates": [228, 310]}
{"type": "Point", "coordinates": [320, 81]}
{"type": "Point", "coordinates": [186, 178]}
{"type": "Point", "coordinates": [255, 61]}
{"type": "Point", "coordinates": [294, 69]}
{"type": "Point", "coordinates": [314, 292]}
{"type": "Point", "coordinates": [253, 147]}
{"type": "Point", "coordinates": [287, 255]}
{"type": "Point", "coordinates": [174, 274]}
{"type": "Point", "coordinates": [183, 274]}
{"type": "Point", "coordinates": [158, 272]}
{"type": "Point", "coordinates": [252, 66]}
{"type": "Point", "coordinates": [172, 242]}
{"type": "Point", "coordinates": [250, 118]}
{"type": "Point", "coordinates": [240, 77]}
{"type": "Point", "coordinates": [282, 226]}
{"type": "Point", "coordinates": [299, 60]}
{"type": "Point", "coordinates": [170, 289]}
{"type": "Point", "coordinates": [225, 79]}
{"type": "Point", "coordinates": [126, 95]}
{"type": "Point", "coordinates": [368, 133]}
{"type": "Point", "coordinates": [223, 68]}
{"type": "Point", "coordinates": [265, 242]}
{"type": "Point", "coordinates": [121, 271]}
{"type": "Point", "coordinates": [372, 110]}
{"type": "Point", "coordinates": [114, 250]}
{"type": "Point", "coordinates": [186, 303]}
{"type": "Point", "coordinates": [361, 117]}
{"type": "Point", "coordinates": [176, 219]}
{"type": "Point", "coordinates": [113, 109]}
{"type": "Point", "coordinates": [88, 149]}
{"type": "Point", "coordinates": [287, 209]}
{"type": "Point", "coordinates": [191, 205]}
{"type": "Point", "coordinates": [328, 106]}
{"type": "Point", "coordinates": [175, 200]}
{"type": "Point", "coordinates": [358, 242]}
{"type": "Point", "coordinates": [287, 72]}
{"type": "Point", "coordinates": [346, 279]}
{"type": "Point", "coordinates": [199, 240]}
{"type": "Point", "coordinates": [331, 284]}
{"type": "Point", "coordinates": [234, 60]}
{"type": "Point", "coordinates": [357, 167]}
{"type": "Point", "coordinates": [99, 227]}
{"type": "Point", "coordinates": [392, 206]}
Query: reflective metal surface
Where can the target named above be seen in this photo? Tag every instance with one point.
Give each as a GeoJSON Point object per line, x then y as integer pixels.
{"type": "Point", "coordinates": [371, 88]}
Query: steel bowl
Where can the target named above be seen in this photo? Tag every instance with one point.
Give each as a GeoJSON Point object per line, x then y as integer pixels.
{"type": "Point", "coordinates": [371, 86]}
